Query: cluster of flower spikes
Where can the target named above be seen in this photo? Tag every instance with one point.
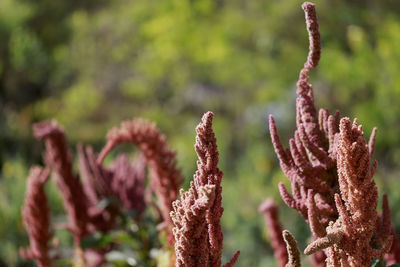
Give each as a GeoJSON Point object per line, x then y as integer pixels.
{"type": "Point", "coordinates": [311, 163]}
{"type": "Point", "coordinates": [196, 216]}
{"type": "Point", "coordinates": [124, 181]}
{"type": "Point", "coordinates": [354, 238]}
{"type": "Point", "coordinates": [165, 177]}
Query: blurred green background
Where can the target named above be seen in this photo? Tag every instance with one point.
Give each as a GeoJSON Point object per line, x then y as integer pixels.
{"type": "Point", "coordinates": [92, 63]}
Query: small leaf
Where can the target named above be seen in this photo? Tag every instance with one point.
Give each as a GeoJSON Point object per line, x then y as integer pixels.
{"type": "Point", "coordinates": [96, 240]}
{"type": "Point", "coordinates": [106, 202]}
{"type": "Point", "coordinates": [376, 263]}
{"type": "Point", "coordinates": [122, 237]}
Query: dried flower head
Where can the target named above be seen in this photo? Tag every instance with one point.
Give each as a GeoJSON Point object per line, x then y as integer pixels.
{"type": "Point", "coordinates": [36, 217]}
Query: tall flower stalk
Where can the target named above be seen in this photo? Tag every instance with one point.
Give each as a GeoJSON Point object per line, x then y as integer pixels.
{"type": "Point", "coordinates": [330, 169]}
{"type": "Point", "coordinates": [196, 216]}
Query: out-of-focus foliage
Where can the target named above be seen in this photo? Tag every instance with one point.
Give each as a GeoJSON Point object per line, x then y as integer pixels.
{"type": "Point", "coordinates": [91, 64]}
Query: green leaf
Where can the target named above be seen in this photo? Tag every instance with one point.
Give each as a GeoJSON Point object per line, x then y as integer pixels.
{"type": "Point", "coordinates": [96, 240]}
{"type": "Point", "coordinates": [122, 237]}
{"type": "Point", "coordinates": [107, 202]}
{"type": "Point", "coordinates": [376, 263]}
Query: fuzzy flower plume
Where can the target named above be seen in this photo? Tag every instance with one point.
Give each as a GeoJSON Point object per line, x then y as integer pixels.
{"type": "Point", "coordinates": [351, 237]}
{"type": "Point", "coordinates": [209, 173]}
{"type": "Point", "coordinates": [165, 177]}
{"type": "Point", "coordinates": [58, 157]}
{"type": "Point", "coordinates": [190, 231]}
{"type": "Point", "coordinates": [310, 161]}
{"type": "Point", "coordinates": [197, 215]}
{"type": "Point", "coordinates": [271, 215]}
{"type": "Point", "coordinates": [328, 164]}
{"type": "Point", "coordinates": [36, 217]}
{"type": "Point", "coordinates": [292, 250]}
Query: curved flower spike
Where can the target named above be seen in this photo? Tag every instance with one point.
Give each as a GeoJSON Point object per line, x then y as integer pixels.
{"type": "Point", "coordinates": [292, 250]}
{"type": "Point", "coordinates": [165, 177]}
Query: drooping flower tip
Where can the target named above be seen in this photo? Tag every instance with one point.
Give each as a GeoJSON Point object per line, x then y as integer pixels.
{"type": "Point", "coordinates": [313, 33]}
{"type": "Point", "coordinates": [165, 177]}
{"type": "Point", "coordinates": [314, 54]}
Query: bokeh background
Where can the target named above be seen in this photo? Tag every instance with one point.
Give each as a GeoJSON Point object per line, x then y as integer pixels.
{"type": "Point", "coordinates": [90, 64]}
